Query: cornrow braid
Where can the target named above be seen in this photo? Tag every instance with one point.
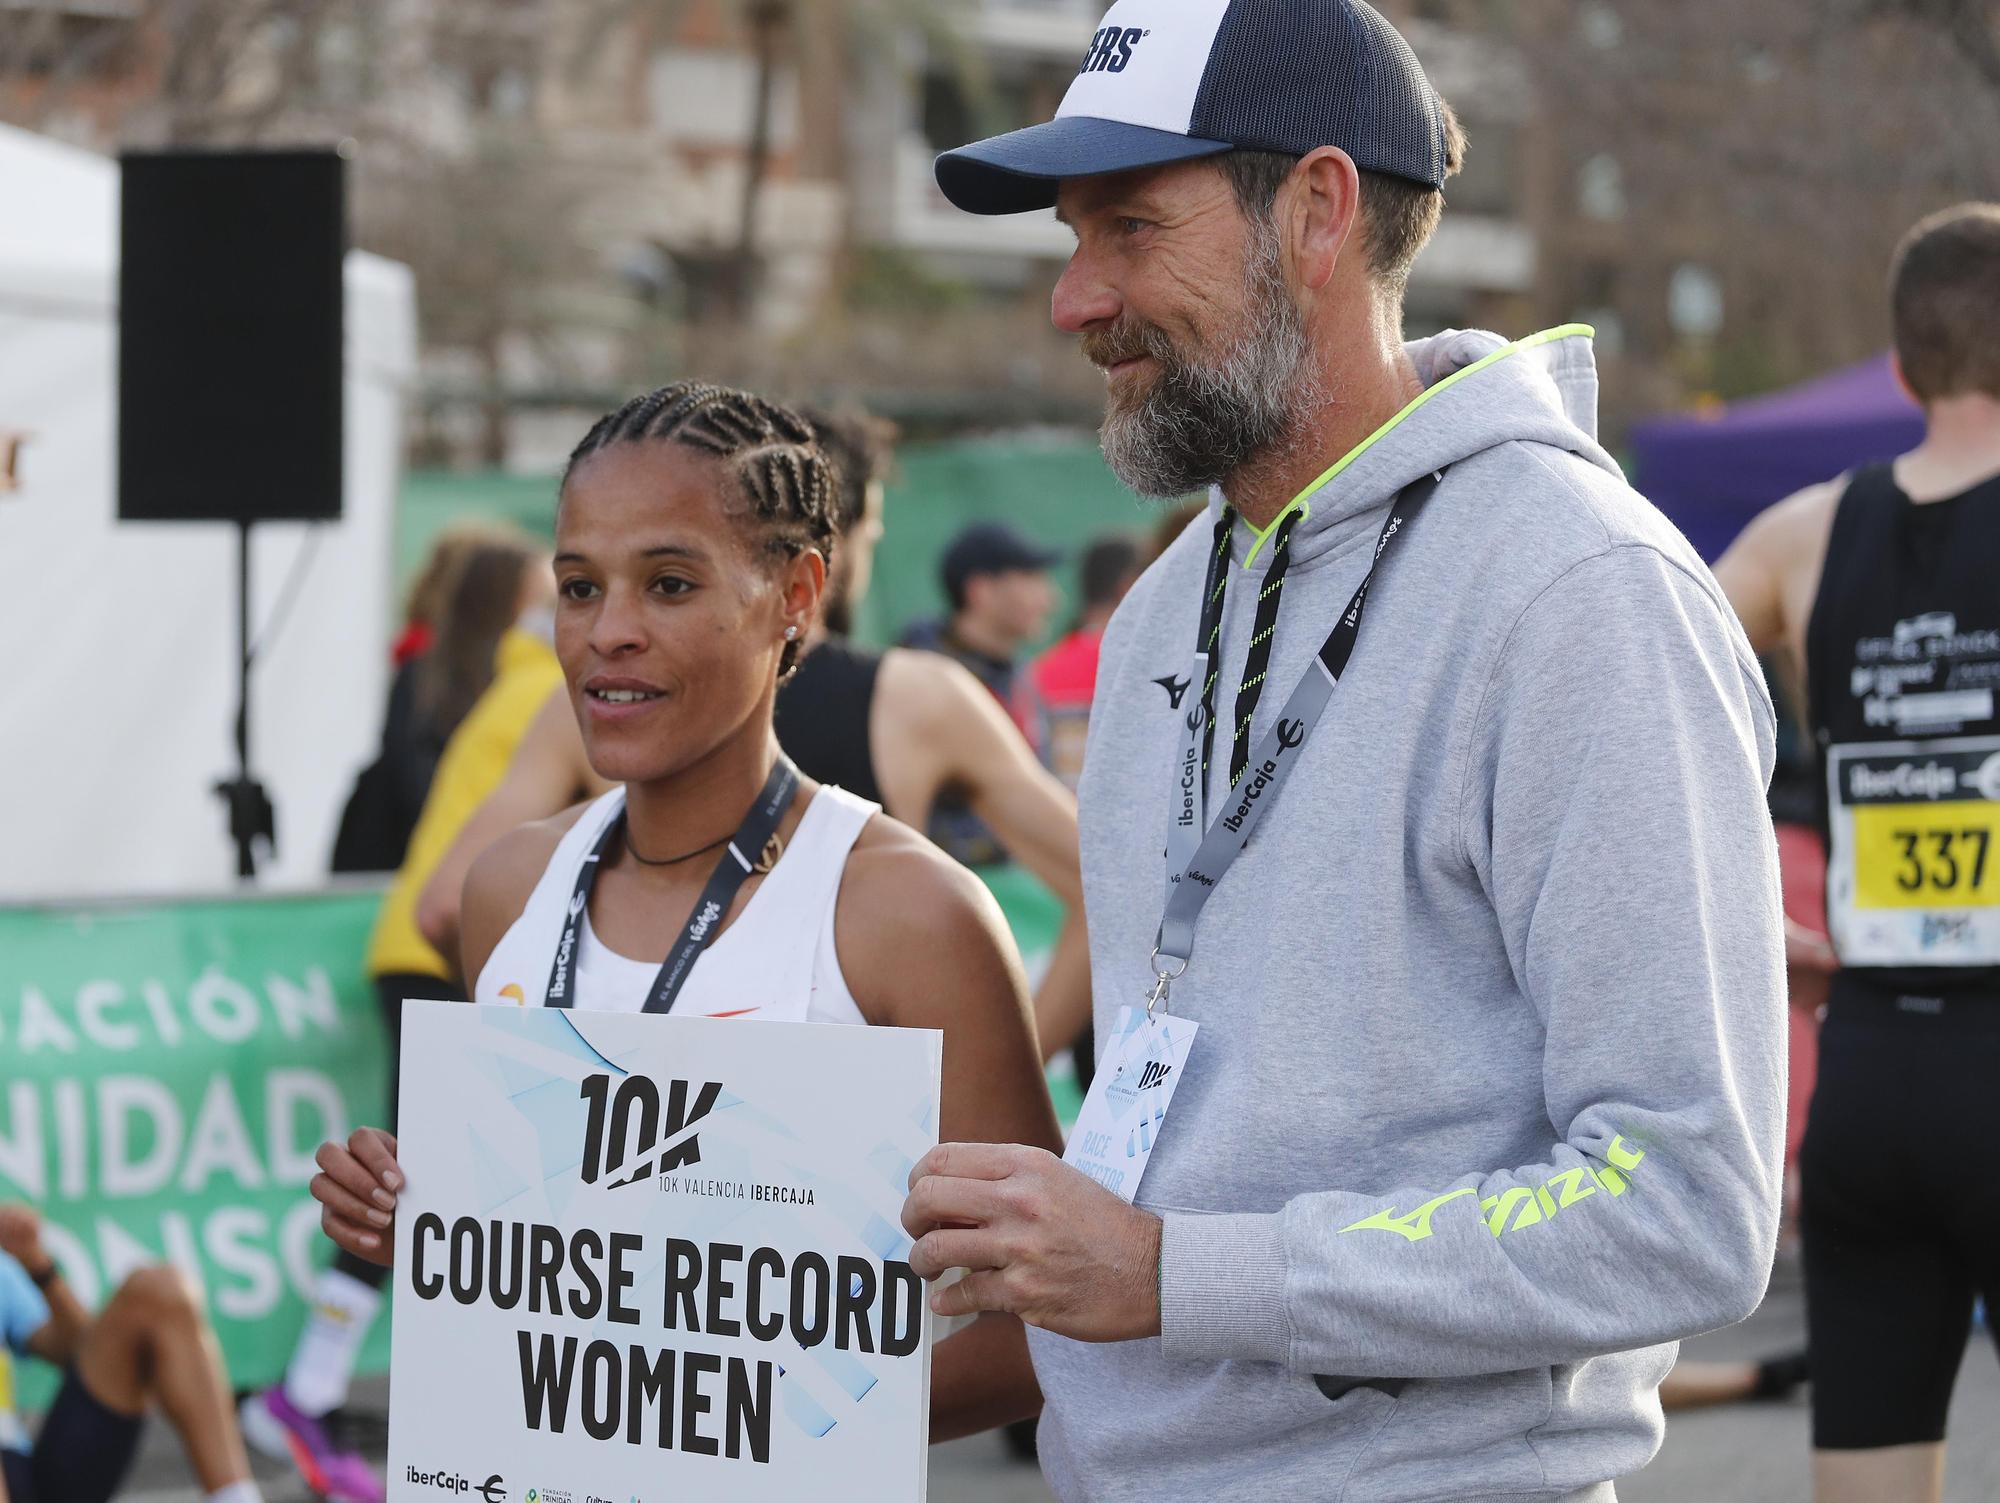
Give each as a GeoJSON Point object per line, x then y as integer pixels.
{"type": "Point", "coordinates": [783, 475]}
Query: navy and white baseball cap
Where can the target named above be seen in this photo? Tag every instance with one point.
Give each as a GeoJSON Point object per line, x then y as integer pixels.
{"type": "Point", "coordinates": [1169, 80]}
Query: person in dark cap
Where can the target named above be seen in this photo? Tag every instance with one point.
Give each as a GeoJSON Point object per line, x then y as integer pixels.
{"type": "Point", "coordinates": [1441, 1084]}
{"type": "Point", "coordinates": [997, 583]}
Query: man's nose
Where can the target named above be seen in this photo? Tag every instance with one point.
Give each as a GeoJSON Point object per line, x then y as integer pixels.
{"type": "Point", "coordinates": [1083, 297]}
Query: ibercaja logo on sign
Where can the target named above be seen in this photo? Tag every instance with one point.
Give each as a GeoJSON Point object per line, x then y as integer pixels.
{"type": "Point", "coordinates": [663, 1130]}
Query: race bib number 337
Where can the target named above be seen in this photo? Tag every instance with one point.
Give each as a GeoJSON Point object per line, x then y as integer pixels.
{"type": "Point", "coordinates": [1913, 874]}
{"type": "Point", "coordinates": [1926, 857]}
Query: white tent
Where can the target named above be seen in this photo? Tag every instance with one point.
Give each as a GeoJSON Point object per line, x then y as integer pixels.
{"type": "Point", "coordinates": [117, 641]}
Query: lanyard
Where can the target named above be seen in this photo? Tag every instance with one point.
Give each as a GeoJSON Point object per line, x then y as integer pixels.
{"type": "Point", "coordinates": [1200, 853]}
{"type": "Point", "coordinates": [732, 867]}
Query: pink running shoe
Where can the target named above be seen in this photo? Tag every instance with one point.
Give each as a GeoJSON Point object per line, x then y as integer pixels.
{"type": "Point", "coordinates": [274, 1426]}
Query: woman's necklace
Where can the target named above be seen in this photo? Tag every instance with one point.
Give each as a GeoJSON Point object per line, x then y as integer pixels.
{"type": "Point", "coordinates": [767, 858]}
{"type": "Point", "coordinates": [644, 860]}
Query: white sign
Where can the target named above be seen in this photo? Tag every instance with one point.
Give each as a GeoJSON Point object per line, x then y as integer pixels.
{"type": "Point", "coordinates": [651, 1258]}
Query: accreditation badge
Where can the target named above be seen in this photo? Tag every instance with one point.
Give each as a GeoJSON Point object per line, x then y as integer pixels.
{"type": "Point", "coordinates": [1913, 873]}
{"type": "Point", "coordinates": [1128, 1099]}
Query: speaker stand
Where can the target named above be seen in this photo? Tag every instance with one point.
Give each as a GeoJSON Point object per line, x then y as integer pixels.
{"type": "Point", "coordinates": [251, 815]}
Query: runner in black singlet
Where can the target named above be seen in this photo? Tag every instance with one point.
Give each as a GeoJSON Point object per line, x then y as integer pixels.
{"type": "Point", "coordinates": [823, 713]}
{"type": "Point", "coordinates": [1885, 588]}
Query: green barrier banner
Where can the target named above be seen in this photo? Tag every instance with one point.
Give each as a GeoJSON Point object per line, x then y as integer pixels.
{"type": "Point", "coordinates": [169, 1072]}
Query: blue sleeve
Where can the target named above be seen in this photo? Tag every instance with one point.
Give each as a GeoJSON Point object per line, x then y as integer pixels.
{"type": "Point", "coordinates": [23, 1311]}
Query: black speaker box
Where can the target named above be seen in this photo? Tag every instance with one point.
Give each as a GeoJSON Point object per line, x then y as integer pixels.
{"type": "Point", "coordinates": [229, 336]}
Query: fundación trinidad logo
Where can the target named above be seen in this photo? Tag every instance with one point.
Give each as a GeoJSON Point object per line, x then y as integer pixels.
{"type": "Point", "coordinates": [633, 1120]}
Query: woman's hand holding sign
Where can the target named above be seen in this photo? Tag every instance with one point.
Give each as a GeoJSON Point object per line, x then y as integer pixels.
{"type": "Point", "coordinates": [356, 1188]}
{"type": "Point", "coordinates": [1042, 1241]}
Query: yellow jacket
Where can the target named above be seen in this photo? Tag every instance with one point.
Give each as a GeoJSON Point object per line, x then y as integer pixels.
{"type": "Point", "coordinates": [525, 673]}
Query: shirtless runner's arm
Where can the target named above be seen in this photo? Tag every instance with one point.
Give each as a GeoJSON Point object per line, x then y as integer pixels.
{"type": "Point", "coordinates": [935, 728]}
{"type": "Point", "coordinates": [1771, 576]}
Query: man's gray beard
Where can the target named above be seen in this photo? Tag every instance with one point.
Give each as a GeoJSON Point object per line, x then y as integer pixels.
{"type": "Point", "coordinates": [1200, 423]}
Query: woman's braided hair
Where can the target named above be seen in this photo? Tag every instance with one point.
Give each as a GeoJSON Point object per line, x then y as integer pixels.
{"type": "Point", "coordinates": [786, 479]}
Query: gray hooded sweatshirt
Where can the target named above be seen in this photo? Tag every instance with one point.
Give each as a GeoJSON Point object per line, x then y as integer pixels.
{"type": "Point", "coordinates": [1486, 1108]}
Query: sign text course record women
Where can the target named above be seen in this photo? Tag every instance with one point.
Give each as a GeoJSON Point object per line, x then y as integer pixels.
{"type": "Point", "coordinates": [643, 1256]}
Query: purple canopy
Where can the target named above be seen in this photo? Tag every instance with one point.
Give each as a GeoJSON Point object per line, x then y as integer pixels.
{"type": "Point", "coordinates": [1711, 475]}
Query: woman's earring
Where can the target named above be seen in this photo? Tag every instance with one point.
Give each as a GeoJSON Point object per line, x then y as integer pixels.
{"type": "Point", "coordinates": [791, 634]}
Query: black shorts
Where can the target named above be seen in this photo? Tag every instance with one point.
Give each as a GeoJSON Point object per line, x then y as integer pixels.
{"type": "Point", "coordinates": [81, 1455]}
{"type": "Point", "coordinates": [1901, 1210]}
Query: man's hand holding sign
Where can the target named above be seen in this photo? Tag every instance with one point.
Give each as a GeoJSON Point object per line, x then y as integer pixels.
{"type": "Point", "coordinates": [1041, 1239]}
{"type": "Point", "coordinates": [1057, 1242]}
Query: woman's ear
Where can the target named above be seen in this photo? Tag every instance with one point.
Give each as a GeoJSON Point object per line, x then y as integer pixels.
{"type": "Point", "coordinates": [802, 589]}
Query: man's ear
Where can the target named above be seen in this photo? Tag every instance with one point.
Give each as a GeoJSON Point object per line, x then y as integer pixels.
{"type": "Point", "coordinates": [1319, 210]}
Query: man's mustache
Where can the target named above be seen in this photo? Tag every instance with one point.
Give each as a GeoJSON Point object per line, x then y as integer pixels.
{"type": "Point", "coordinates": [1128, 341]}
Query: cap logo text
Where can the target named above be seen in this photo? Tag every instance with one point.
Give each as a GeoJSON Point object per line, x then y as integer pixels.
{"type": "Point", "coordinates": [1111, 49]}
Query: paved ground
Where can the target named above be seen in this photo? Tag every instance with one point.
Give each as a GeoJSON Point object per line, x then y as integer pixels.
{"type": "Point", "coordinates": [1745, 1454]}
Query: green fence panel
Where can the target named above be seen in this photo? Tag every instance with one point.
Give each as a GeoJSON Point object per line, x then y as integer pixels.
{"type": "Point", "coordinates": [170, 1071]}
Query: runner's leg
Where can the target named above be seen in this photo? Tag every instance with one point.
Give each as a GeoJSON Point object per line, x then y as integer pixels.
{"type": "Point", "coordinates": [150, 1345]}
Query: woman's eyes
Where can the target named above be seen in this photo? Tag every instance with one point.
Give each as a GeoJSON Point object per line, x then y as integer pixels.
{"type": "Point", "coordinates": [670, 585]}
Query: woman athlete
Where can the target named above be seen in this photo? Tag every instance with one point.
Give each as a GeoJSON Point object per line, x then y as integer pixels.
{"type": "Point", "coordinates": [693, 532]}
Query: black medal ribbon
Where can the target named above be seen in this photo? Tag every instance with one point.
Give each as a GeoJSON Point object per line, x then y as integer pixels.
{"type": "Point", "coordinates": [734, 866]}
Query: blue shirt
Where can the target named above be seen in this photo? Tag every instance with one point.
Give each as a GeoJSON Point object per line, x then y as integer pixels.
{"type": "Point", "coordinates": [23, 1311]}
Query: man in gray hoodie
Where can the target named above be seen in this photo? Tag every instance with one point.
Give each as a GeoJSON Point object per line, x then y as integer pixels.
{"type": "Point", "coordinates": [1458, 759]}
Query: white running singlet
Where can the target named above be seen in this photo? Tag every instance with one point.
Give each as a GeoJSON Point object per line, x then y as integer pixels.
{"type": "Point", "coordinates": [775, 962]}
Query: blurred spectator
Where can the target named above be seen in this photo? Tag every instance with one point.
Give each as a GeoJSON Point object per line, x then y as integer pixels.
{"type": "Point", "coordinates": [1056, 696]}
{"type": "Point", "coordinates": [859, 447]}
{"type": "Point", "coordinates": [297, 1418]}
{"type": "Point", "coordinates": [425, 602]}
{"type": "Point", "coordinates": [150, 1345]}
{"type": "Point", "coordinates": [997, 582]}
{"type": "Point", "coordinates": [474, 585]}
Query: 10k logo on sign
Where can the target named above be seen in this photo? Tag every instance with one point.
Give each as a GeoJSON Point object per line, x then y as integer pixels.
{"type": "Point", "coordinates": [662, 1140]}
